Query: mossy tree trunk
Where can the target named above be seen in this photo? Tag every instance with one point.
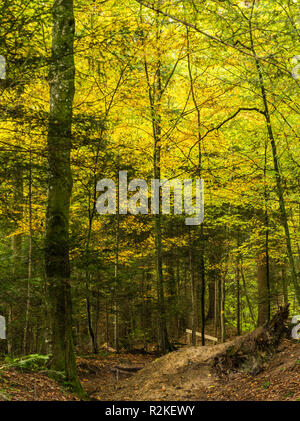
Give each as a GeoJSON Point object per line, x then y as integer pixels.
{"type": "Point", "coordinates": [57, 265]}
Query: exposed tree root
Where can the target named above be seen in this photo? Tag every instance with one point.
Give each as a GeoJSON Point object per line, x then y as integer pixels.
{"type": "Point", "coordinates": [250, 351]}
{"type": "Point", "coordinates": [190, 370]}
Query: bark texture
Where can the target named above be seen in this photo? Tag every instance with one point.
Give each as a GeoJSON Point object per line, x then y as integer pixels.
{"type": "Point", "coordinates": [57, 265]}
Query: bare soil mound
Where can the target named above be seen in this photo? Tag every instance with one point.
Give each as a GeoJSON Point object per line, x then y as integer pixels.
{"type": "Point", "coordinates": [192, 371]}
{"type": "Point", "coordinates": [175, 376]}
{"type": "Point", "coordinates": [187, 374]}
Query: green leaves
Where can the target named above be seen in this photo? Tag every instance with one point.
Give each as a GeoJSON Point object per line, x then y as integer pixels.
{"type": "Point", "coordinates": [27, 362]}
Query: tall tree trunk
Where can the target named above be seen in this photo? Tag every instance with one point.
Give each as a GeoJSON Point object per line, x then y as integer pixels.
{"type": "Point", "coordinates": [238, 299]}
{"type": "Point", "coordinates": [202, 272]}
{"type": "Point", "coordinates": [155, 93]}
{"type": "Point", "coordinates": [116, 281]}
{"type": "Point", "coordinates": [217, 307]}
{"type": "Point", "coordinates": [238, 289]}
{"type": "Point", "coordinates": [279, 188]}
{"type": "Point", "coordinates": [16, 247]}
{"type": "Point", "coordinates": [193, 292]}
{"type": "Point", "coordinates": [266, 211]}
{"type": "Point", "coordinates": [87, 276]}
{"type": "Point", "coordinates": [163, 334]}
{"type": "Point", "coordinates": [29, 258]}
{"type": "Point", "coordinates": [92, 213]}
{"type": "Point", "coordinates": [266, 197]}
{"type": "Point", "coordinates": [62, 73]}
{"type": "Point", "coordinates": [199, 173]}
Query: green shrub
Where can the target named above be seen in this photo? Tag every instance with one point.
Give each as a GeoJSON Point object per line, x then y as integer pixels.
{"type": "Point", "coordinates": [27, 362]}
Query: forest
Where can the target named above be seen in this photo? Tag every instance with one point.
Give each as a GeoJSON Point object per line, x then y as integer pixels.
{"type": "Point", "coordinates": [170, 90]}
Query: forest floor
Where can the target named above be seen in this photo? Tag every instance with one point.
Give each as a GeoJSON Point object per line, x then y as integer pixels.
{"type": "Point", "coordinates": [181, 375]}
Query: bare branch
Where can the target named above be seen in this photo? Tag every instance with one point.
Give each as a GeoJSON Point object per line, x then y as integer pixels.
{"type": "Point", "coordinates": [207, 35]}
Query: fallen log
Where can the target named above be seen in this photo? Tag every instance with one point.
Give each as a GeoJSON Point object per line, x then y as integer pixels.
{"type": "Point", "coordinates": [211, 338]}
{"type": "Point", "coordinates": [89, 366]}
{"type": "Point", "coordinates": [249, 352]}
{"type": "Point", "coordinates": [126, 369]}
{"type": "Point", "coordinates": [195, 368]}
{"type": "Point", "coordinates": [117, 369]}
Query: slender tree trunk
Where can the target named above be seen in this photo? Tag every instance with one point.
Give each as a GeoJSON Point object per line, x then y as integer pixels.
{"type": "Point", "coordinates": [238, 289]}
{"type": "Point", "coordinates": [164, 341]}
{"type": "Point", "coordinates": [116, 281]}
{"type": "Point", "coordinates": [87, 277]}
{"type": "Point", "coordinates": [263, 294]}
{"type": "Point", "coordinates": [193, 292]}
{"type": "Point", "coordinates": [211, 299]}
{"type": "Point", "coordinates": [266, 197]}
{"type": "Point", "coordinates": [9, 335]}
{"type": "Point", "coordinates": [284, 286]}
{"type": "Point", "coordinates": [246, 294]}
{"type": "Point", "coordinates": [238, 300]}
{"type": "Point", "coordinates": [97, 317]}
{"type": "Point", "coordinates": [199, 173]}
{"type": "Point", "coordinates": [217, 308]}
{"type": "Point", "coordinates": [155, 95]}
{"type": "Point", "coordinates": [163, 334]}
{"type": "Point", "coordinates": [106, 325]}
{"type": "Point", "coordinates": [62, 73]}
{"type": "Point", "coordinates": [16, 245]}
{"type": "Point", "coordinates": [89, 317]}
{"type": "Point", "coordinates": [202, 272]}
{"type": "Point", "coordinates": [87, 282]}
{"type": "Point", "coordinates": [29, 258]}
{"type": "Point", "coordinates": [222, 308]}
{"type": "Point", "coordinates": [279, 188]}
{"type": "Point", "coordinates": [92, 212]}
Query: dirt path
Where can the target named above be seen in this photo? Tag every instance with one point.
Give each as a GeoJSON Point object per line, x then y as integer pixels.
{"type": "Point", "coordinates": [181, 375]}
{"type": "Point", "coordinates": [99, 376]}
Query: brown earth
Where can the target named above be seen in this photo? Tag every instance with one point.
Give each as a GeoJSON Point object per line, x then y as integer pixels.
{"type": "Point", "coordinates": [279, 381]}
{"type": "Point", "coordinates": [16, 385]}
{"type": "Point", "coordinates": [185, 375]}
{"type": "Point", "coordinates": [181, 375]}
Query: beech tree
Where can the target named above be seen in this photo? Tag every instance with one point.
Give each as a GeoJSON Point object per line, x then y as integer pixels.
{"type": "Point", "coordinates": [61, 79]}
